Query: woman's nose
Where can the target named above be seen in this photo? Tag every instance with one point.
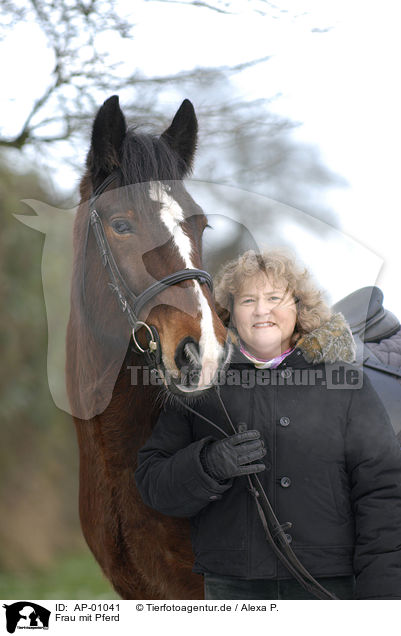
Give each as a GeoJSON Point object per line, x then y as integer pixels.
{"type": "Point", "coordinates": [262, 307]}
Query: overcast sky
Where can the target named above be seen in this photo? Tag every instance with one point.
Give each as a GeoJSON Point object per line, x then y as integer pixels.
{"type": "Point", "coordinates": [336, 68]}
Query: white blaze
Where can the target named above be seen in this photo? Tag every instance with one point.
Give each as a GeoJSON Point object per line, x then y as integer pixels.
{"type": "Point", "coordinates": [172, 216]}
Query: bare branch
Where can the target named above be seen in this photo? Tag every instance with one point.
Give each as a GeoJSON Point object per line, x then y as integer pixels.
{"type": "Point", "coordinates": [194, 3]}
{"type": "Point", "coordinates": [76, 85]}
{"type": "Point", "coordinates": [229, 7]}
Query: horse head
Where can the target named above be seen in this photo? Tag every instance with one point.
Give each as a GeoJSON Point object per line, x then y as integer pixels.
{"type": "Point", "coordinates": [153, 229]}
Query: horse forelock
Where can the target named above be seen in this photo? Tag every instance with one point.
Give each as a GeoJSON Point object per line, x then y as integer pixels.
{"type": "Point", "coordinates": [146, 157]}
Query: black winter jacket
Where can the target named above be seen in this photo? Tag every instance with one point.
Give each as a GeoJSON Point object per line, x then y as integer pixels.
{"type": "Point", "coordinates": [333, 469]}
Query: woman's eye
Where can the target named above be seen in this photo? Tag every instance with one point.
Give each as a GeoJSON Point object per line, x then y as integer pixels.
{"type": "Point", "coordinates": [122, 226]}
{"type": "Point", "coordinates": [247, 301]}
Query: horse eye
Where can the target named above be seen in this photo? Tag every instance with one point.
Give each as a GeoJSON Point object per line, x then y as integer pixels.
{"type": "Point", "coordinates": [122, 226]}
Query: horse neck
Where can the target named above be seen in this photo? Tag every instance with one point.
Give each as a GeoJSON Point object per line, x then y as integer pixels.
{"type": "Point", "coordinates": [127, 421]}
{"type": "Point", "coordinates": [119, 406]}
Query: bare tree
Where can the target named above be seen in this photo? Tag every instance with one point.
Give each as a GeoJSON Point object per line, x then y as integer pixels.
{"type": "Point", "coordinates": [82, 67]}
{"type": "Point", "coordinates": [255, 148]}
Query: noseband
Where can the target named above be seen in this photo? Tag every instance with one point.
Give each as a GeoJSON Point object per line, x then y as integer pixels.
{"type": "Point", "coordinates": [130, 303]}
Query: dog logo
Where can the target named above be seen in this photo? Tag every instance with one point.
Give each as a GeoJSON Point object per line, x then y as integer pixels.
{"type": "Point", "coordinates": [26, 615]}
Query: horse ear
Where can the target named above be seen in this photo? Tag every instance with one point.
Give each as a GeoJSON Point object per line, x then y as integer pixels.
{"type": "Point", "coordinates": [182, 134]}
{"type": "Point", "coordinates": [108, 132]}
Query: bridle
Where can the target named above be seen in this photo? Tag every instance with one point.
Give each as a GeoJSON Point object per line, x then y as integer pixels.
{"type": "Point", "coordinates": [129, 303]}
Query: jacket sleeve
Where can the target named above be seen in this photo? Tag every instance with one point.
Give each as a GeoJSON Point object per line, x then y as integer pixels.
{"type": "Point", "coordinates": [374, 466]}
{"type": "Point", "coordinates": [170, 477]}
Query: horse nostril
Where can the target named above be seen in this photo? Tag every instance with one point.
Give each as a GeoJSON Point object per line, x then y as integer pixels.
{"type": "Point", "coordinates": [187, 353]}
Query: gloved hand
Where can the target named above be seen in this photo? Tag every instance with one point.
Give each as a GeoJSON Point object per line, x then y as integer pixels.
{"type": "Point", "coordinates": [231, 456]}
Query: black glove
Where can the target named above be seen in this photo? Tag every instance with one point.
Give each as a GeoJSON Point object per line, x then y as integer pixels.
{"type": "Point", "coordinates": [231, 456]}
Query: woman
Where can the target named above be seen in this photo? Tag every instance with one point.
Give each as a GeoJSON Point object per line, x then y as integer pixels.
{"type": "Point", "coordinates": [313, 428]}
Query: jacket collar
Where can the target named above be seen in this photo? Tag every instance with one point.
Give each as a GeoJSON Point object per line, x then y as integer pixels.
{"type": "Point", "coordinates": [331, 342]}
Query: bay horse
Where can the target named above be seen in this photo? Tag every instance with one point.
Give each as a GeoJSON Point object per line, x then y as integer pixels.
{"type": "Point", "coordinates": [136, 225]}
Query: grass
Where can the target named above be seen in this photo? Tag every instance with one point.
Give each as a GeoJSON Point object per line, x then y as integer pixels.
{"type": "Point", "coordinates": [76, 576]}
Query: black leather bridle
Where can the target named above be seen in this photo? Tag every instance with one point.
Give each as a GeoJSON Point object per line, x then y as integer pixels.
{"type": "Point", "coordinates": [130, 303]}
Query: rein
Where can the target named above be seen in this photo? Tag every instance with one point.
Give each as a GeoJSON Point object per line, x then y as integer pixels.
{"type": "Point", "coordinates": [274, 531]}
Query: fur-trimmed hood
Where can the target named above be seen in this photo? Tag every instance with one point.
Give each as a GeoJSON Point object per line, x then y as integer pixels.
{"type": "Point", "coordinates": [331, 342]}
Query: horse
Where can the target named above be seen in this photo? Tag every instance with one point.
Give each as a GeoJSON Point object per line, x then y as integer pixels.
{"type": "Point", "coordinates": [137, 233]}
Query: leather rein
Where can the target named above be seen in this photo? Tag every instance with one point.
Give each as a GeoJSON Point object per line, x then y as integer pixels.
{"type": "Point", "coordinates": [274, 530]}
{"type": "Point", "coordinates": [131, 305]}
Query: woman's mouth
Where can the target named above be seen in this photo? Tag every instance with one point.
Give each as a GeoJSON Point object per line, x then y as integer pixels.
{"type": "Point", "coordinates": [264, 325]}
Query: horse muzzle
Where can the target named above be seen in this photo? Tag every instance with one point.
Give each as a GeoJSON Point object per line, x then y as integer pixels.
{"type": "Point", "coordinates": [196, 372]}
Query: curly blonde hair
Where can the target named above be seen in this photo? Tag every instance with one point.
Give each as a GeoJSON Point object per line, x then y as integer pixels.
{"type": "Point", "coordinates": [279, 266]}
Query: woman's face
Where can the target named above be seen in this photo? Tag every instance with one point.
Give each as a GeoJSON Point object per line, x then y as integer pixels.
{"type": "Point", "coordinates": [264, 316]}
